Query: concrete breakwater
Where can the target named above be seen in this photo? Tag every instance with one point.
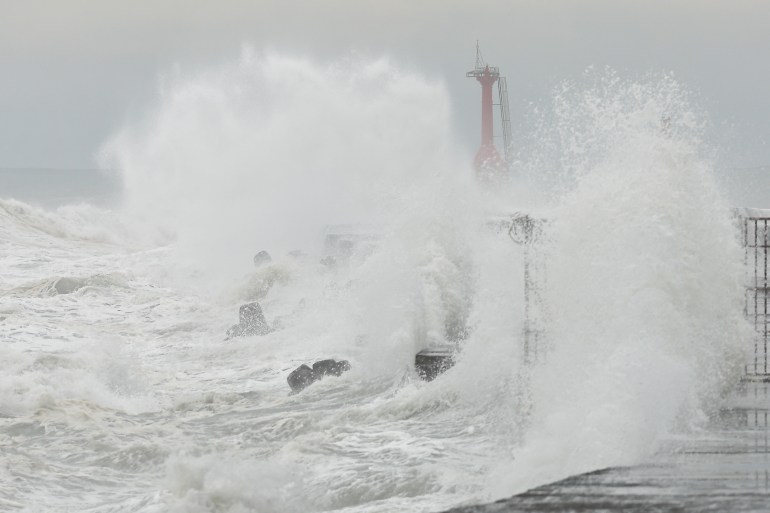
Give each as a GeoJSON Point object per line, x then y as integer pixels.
{"type": "Point", "coordinates": [724, 468]}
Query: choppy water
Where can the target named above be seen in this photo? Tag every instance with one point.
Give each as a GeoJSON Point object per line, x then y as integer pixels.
{"type": "Point", "coordinates": [122, 394]}
{"type": "Point", "coordinates": [119, 391]}
{"type": "Point", "coordinates": [53, 188]}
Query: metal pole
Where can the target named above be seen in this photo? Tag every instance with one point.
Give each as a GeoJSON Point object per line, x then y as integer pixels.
{"type": "Point", "coordinates": [764, 294]}
{"type": "Point", "coordinates": [756, 297]}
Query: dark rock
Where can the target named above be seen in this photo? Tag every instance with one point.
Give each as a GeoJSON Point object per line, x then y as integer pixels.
{"type": "Point", "coordinates": [301, 377]}
{"type": "Point", "coordinates": [432, 362]}
{"type": "Point", "coordinates": [252, 322]}
{"type": "Point", "coordinates": [261, 258]}
{"type": "Point", "coordinates": [330, 367]}
{"type": "Point", "coordinates": [324, 367]}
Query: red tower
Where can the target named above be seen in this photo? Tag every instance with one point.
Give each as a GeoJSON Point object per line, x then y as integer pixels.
{"type": "Point", "coordinates": [488, 161]}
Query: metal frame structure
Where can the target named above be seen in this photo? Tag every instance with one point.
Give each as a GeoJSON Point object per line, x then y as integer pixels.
{"type": "Point", "coordinates": [487, 156]}
{"type": "Point", "coordinates": [756, 242]}
{"type": "Point", "coordinates": [755, 227]}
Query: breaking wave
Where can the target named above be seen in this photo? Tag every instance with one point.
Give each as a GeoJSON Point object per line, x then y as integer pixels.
{"type": "Point", "coordinates": [644, 292]}
{"type": "Point", "coordinates": [639, 305]}
{"type": "Point", "coordinates": [82, 222]}
{"type": "Point", "coordinates": [262, 153]}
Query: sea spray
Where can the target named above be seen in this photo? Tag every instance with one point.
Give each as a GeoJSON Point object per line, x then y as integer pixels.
{"type": "Point", "coordinates": [261, 153]}
{"type": "Point", "coordinates": [236, 157]}
{"type": "Point", "coordinates": [641, 293]}
{"type": "Point", "coordinates": [644, 284]}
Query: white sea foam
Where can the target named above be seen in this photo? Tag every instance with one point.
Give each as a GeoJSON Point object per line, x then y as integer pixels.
{"type": "Point", "coordinates": [122, 385]}
{"type": "Point", "coordinates": [644, 284]}
{"type": "Point", "coordinates": [263, 152]}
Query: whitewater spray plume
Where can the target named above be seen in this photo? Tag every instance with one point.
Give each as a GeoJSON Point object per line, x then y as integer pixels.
{"type": "Point", "coordinates": [644, 282]}
{"type": "Point", "coordinates": [264, 151]}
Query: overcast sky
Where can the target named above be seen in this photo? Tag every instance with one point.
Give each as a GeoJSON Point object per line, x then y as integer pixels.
{"type": "Point", "coordinates": [73, 71]}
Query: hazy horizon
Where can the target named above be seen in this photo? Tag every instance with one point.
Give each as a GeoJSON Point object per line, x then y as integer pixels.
{"type": "Point", "coordinates": [81, 70]}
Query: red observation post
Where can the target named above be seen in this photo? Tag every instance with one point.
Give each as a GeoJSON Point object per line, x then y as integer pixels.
{"type": "Point", "coordinates": [488, 162]}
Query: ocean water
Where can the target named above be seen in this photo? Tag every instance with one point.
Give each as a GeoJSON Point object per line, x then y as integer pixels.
{"type": "Point", "coordinates": [120, 393]}
{"type": "Point", "coordinates": [51, 188]}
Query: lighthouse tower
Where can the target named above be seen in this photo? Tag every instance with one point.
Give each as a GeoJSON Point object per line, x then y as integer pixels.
{"type": "Point", "coordinates": [488, 162]}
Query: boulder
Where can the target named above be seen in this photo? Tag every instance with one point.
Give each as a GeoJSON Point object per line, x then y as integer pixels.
{"type": "Point", "coordinates": [251, 322]}
{"type": "Point", "coordinates": [301, 377]}
{"type": "Point", "coordinates": [330, 367]}
{"type": "Point", "coordinates": [261, 258]}
{"type": "Point", "coordinates": [429, 363]}
{"type": "Point", "coordinates": [324, 367]}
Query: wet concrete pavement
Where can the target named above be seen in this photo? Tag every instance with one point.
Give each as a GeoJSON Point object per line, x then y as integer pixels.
{"type": "Point", "coordinates": [726, 469]}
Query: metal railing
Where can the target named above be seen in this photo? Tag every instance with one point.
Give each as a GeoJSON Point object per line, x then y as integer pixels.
{"type": "Point", "coordinates": [756, 242]}
{"type": "Point", "coordinates": [755, 226]}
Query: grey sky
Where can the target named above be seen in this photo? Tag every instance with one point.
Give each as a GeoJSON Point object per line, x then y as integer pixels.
{"type": "Point", "coordinates": [75, 70]}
